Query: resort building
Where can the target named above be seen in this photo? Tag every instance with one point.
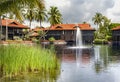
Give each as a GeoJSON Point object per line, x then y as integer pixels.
{"type": "Point", "coordinates": [67, 32]}
{"type": "Point", "coordinates": [116, 36]}
{"type": "Point", "coordinates": [12, 28]}
{"type": "Point", "coordinates": [116, 33]}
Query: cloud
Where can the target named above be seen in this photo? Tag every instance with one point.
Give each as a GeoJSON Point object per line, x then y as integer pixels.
{"type": "Point", "coordinates": [114, 12]}
{"type": "Point", "coordinates": [78, 11]}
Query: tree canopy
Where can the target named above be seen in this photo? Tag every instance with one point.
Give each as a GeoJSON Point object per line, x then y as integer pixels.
{"type": "Point", "coordinates": [55, 17]}
{"type": "Point", "coordinates": [15, 6]}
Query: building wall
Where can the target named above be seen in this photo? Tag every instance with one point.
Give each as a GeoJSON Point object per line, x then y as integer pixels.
{"type": "Point", "coordinates": [116, 39]}
{"type": "Point", "coordinates": [116, 35]}
{"type": "Point", "coordinates": [12, 32]}
{"type": "Point", "coordinates": [70, 35]}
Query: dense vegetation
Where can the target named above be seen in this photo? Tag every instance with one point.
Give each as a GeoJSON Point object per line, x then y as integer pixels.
{"type": "Point", "coordinates": [103, 33]}
{"type": "Point", "coordinates": [20, 59]}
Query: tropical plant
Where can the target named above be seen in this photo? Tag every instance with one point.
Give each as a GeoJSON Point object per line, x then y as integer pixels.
{"type": "Point", "coordinates": [30, 15]}
{"type": "Point", "coordinates": [103, 31]}
{"type": "Point", "coordinates": [113, 25]}
{"type": "Point", "coordinates": [41, 16]}
{"type": "Point", "coordinates": [15, 7]}
{"type": "Point", "coordinates": [97, 19]}
{"type": "Point", "coordinates": [55, 16]}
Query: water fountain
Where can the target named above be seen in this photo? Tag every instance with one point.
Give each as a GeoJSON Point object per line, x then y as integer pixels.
{"type": "Point", "coordinates": [79, 44]}
{"type": "Point", "coordinates": [78, 37]}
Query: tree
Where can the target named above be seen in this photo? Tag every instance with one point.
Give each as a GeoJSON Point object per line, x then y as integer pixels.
{"type": "Point", "coordinates": [105, 25]}
{"type": "Point", "coordinates": [41, 16]}
{"type": "Point", "coordinates": [97, 19]}
{"type": "Point", "coordinates": [15, 6]}
{"type": "Point", "coordinates": [55, 16]}
{"type": "Point", "coordinates": [30, 15]}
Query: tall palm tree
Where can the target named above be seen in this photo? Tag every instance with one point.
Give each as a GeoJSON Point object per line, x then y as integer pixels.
{"type": "Point", "coordinates": [30, 15]}
{"type": "Point", "coordinates": [55, 16]}
{"type": "Point", "coordinates": [97, 19]}
{"type": "Point", "coordinates": [41, 16]}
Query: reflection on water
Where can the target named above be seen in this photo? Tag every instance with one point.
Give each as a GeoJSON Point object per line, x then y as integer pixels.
{"type": "Point", "coordinates": [98, 64]}
{"type": "Point", "coordinates": [89, 65]}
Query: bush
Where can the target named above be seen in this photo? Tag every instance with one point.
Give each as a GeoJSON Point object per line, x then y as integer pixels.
{"type": "Point", "coordinates": [100, 41]}
{"type": "Point", "coordinates": [51, 39]}
{"type": "Point", "coordinates": [108, 38]}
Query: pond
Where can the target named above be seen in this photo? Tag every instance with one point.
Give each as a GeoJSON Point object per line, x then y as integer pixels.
{"type": "Point", "coordinates": [96, 64]}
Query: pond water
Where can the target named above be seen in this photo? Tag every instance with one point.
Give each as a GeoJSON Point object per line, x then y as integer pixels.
{"type": "Point", "coordinates": [100, 63]}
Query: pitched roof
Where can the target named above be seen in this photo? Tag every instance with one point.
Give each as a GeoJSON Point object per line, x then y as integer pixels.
{"type": "Point", "coordinates": [116, 28]}
{"type": "Point", "coordinates": [70, 27]}
{"type": "Point", "coordinates": [13, 23]}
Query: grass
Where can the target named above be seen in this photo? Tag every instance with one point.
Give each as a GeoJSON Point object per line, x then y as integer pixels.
{"type": "Point", "coordinates": [19, 59]}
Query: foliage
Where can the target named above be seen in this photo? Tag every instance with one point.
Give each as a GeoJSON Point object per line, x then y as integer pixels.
{"type": "Point", "coordinates": [51, 39]}
{"type": "Point", "coordinates": [20, 59]}
{"type": "Point", "coordinates": [109, 38]}
{"type": "Point", "coordinates": [100, 41]}
{"type": "Point", "coordinates": [97, 19]}
{"type": "Point", "coordinates": [55, 16]}
{"type": "Point", "coordinates": [15, 6]}
{"type": "Point", "coordinates": [41, 15]}
{"type": "Point", "coordinates": [103, 23]}
{"type": "Point", "coordinates": [30, 15]}
{"type": "Point", "coordinates": [113, 25]}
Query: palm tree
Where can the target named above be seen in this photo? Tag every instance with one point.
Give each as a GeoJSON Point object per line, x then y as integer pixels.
{"type": "Point", "coordinates": [30, 15]}
{"type": "Point", "coordinates": [15, 7]}
{"type": "Point", "coordinates": [55, 16]}
{"type": "Point", "coordinates": [97, 19]}
{"type": "Point", "coordinates": [41, 16]}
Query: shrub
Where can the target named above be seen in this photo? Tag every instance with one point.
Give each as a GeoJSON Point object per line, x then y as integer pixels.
{"type": "Point", "coordinates": [108, 38]}
{"type": "Point", "coordinates": [100, 41]}
{"type": "Point", "coordinates": [51, 39]}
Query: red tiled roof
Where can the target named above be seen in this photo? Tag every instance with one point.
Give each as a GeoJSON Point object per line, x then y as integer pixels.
{"type": "Point", "coordinates": [70, 27]}
{"type": "Point", "coordinates": [66, 27]}
{"type": "Point", "coordinates": [12, 23]}
{"type": "Point", "coordinates": [116, 28]}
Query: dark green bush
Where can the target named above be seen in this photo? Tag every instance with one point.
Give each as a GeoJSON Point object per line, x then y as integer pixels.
{"type": "Point", "coordinates": [100, 41]}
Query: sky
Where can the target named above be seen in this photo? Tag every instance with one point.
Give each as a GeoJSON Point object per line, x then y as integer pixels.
{"type": "Point", "coordinates": [78, 11]}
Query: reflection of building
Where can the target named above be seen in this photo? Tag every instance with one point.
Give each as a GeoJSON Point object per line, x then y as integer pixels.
{"type": "Point", "coordinates": [13, 28]}
{"type": "Point", "coordinates": [73, 55]}
{"type": "Point", "coordinates": [85, 58]}
{"type": "Point", "coordinates": [69, 55]}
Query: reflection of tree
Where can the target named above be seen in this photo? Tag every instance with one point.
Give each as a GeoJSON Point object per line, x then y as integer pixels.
{"type": "Point", "coordinates": [98, 67]}
{"type": "Point", "coordinates": [101, 61]}
{"type": "Point", "coordinates": [108, 55]}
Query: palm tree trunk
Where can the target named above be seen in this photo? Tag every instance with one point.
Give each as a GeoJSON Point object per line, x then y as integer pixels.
{"type": "Point", "coordinates": [0, 28]}
{"type": "Point", "coordinates": [30, 23]}
{"type": "Point", "coordinates": [40, 24]}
